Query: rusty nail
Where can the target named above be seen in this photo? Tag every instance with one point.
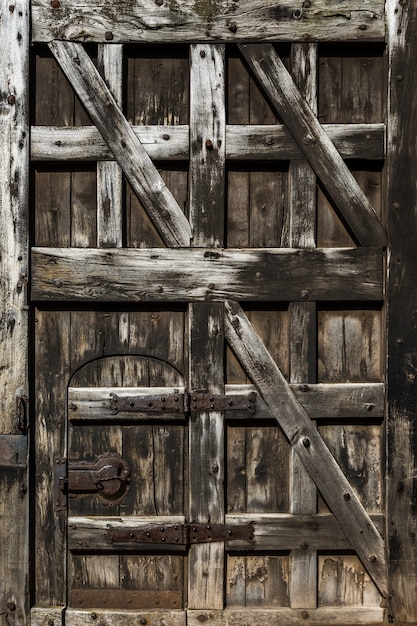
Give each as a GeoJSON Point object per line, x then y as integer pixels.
{"type": "Point", "coordinates": [306, 442]}
{"type": "Point", "coordinates": [209, 144]}
{"type": "Point", "coordinates": [305, 294]}
{"type": "Point", "coordinates": [23, 489]}
{"type": "Point", "coordinates": [11, 606]}
{"type": "Point", "coordinates": [346, 496]}
{"type": "Point", "coordinates": [108, 35]}
{"type": "Point", "coordinates": [233, 27]}
{"type": "Point", "coordinates": [11, 99]}
{"type": "Point", "coordinates": [55, 4]}
{"type": "Point", "coordinates": [132, 535]}
{"type": "Point", "coordinates": [230, 532]}
{"type": "Point", "coordinates": [165, 137]}
{"type": "Point", "coordinates": [305, 615]}
{"type": "Point", "coordinates": [372, 558]}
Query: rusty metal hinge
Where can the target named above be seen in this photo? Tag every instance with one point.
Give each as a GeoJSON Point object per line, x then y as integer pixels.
{"type": "Point", "coordinates": [187, 403]}
{"type": "Point", "coordinates": [181, 534]}
{"type": "Point", "coordinates": [108, 478]}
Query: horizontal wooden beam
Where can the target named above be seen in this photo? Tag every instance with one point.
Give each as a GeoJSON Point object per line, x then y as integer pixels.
{"type": "Point", "coordinates": [322, 401]}
{"type": "Point", "coordinates": [288, 102]}
{"type": "Point", "coordinates": [195, 275]}
{"type": "Point", "coordinates": [79, 617]}
{"type": "Point", "coordinates": [220, 21]}
{"type": "Point", "coordinates": [323, 616]}
{"type": "Point", "coordinates": [243, 143]}
{"type": "Point", "coordinates": [307, 444]}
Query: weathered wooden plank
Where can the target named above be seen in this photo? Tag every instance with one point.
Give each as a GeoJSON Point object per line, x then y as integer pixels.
{"type": "Point", "coordinates": [72, 274]}
{"type": "Point", "coordinates": [127, 149]}
{"type": "Point", "coordinates": [293, 532]}
{"type": "Point", "coordinates": [145, 22]}
{"type": "Point", "coordinates": [402, 304]}
{"type": "Point", "coordinates": [345, 572]}
{"type": "Point", "coordinates": [14, 218]}
{"type": "Point", "coordinates": [267, 142]}
{"type": "Point", "coordinates": [207, 144]}
{"type": "Point", "coordinates": [334, 401]}
{"type": "Point", "coordinates": [74, 617]}
{"type": "Point", "coordinates": [109, 174]}
{"type": "Point", "coordinates": [43, 616]}
{"type": "Point", "coordinates": [324, 616]}
{"type": "Point", "coordinates": [206, 454]}
{"type": "Point", "coordinates": [308, 444]}
{"type": "Point", "coordinates": [318, 149]}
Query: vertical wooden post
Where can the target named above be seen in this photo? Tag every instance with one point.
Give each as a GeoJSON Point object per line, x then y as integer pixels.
{"type": "Point", "coordinates": [402, 307]}
{"type": "Point", "coordinates": [206, 337]}
{"type": "Point", "coordinates": [303, 325]}
{"type": "Point", "coordinates": [14, 177]}
{"type": "Point", "coordinates": [109, 173]}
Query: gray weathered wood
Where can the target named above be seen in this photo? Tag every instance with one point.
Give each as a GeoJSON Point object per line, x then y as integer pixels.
{"type": "Point", "coordinates": [318, 149]}
{"type": "Point", "coordinates": [324, 616]}
{"type": "Point", "coordinates": [109, 174]}
{"type": "Point", "coordinates": [158, 201]}
{"type": "Point", "coordinates": [146, 22]}
{"type": "Point", "coordinates": [308, 444]}
{"type": "Point", "coordinates": [364, 141]}
{"type": "Point", "coordinates": [343, 401]}
{"type": "Point", "coordinates": [44, 616]}
{"type": "Point", "coordinates": [202, 274]}
{"type": "Point", "coordinates": [14, 216]}
{"type": "Point", "coordinates": [74, 617]}
{"type": "Point", "coordinates": [207, 144]}
{"type": "Point", "coordinates": [401, 200]}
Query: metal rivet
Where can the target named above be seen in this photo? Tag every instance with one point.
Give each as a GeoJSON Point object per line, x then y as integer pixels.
{"type": "Point", "coordinates": [209, 144]}
{"type": "Point", "coordinates": [108, 35]}
{"type": "Point", "coordinates": [306, 4]}
{"type": "Point", "coordinates": [58, 282]}
{"type": "Point", "coordinates": [305, 294]}
{"type": "Point", "coordinates": [194, 399]}
{"type": "Point", "coordinates": [163, 407]}
{"type": "Point", "coordinates": [346, 496]}
{"type": "Point", "coordinates": [162, 529]}
{"type": "Point", "coordinates": [148, 534]}
{"type": "Point", "coordinates": [306, 442]}
{"type": "Point", "coordinates": [194, 529]}
{"type": "Point", "coordinates": [163, 399]}
{"type": "Point", "coordinates": [93, 615]}
{"type": "Point", "coordinates": [131, 403]}
{"type": "Point", "coordinates": [11, 99]}
{"type": "Point", "coordinates": [400, 342]}
{"type": "Point", "coordinates": [372, 558]}
{"type": "Point", "coordinates": [163, 539]}
{"type": "Point", "coordinates": [233, 27]}
{"type": "Point", "coordinates": [369, 407]}
{"type": "Point", "coordinates": [258, 275]}
{"type": "Point", "coordinates": [230, 532]}
{"type": "Point", "coordinates": [208, 527]}
{"type": "Point", "coordinates": [230, 402]}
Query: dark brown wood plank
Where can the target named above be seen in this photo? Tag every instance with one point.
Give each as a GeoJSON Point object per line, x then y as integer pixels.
{"type": "Point", "coordinates": [127, 149]}
{"type": "Point", "coordinates": [202, 274]}
{"type": "Point", "coordinates": [220, 21]}
{"type": "Point", "coordinates": [267, 142]}
{"type": "Point", "coordinates": [318, 149]}
{"type": "Point", "coordinates": [307, 443]}
{"type": "Point", "coordinates": [402, 305]}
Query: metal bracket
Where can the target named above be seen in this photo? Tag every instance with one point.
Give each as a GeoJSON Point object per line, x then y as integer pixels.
{"type": "Point", "coordinates": [108, 478]}
{"type": "Point", "coordinates": [197, 402]}
{"type": "Point", "coordinates": [181, 534]}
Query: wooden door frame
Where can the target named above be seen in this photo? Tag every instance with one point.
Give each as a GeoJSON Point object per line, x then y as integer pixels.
{"type": "Point", "coordinates": [402, 304]}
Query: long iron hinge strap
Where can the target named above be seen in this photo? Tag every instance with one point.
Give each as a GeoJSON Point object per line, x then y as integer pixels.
{"type": "Point", "coordinates": [186, 403]}
{"type": "Point", "coordinates": [181, 534]}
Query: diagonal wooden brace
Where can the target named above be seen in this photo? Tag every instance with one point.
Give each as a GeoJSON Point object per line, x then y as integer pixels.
{"type": "Point", "coordinates": [128, 151]}
{"type": "Point", "coordinates": [307, 443]}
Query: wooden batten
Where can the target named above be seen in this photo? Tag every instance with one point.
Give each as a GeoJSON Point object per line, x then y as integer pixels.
{"type": "Point", "coordinates": [276, 274]}
{"type": "Point", "coordinates": [187, 22]}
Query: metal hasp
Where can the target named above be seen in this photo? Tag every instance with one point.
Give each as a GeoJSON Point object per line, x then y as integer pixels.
{"type": "Point", "coordinates": [187, 403]}
{"type": "Point", "coordinates": [108, 478]}
{"type": "Point", "coordinates": [181, 534]}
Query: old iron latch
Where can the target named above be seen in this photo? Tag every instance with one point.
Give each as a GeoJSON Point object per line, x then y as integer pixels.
{"type": "Point", "coordinates": [181, 534]}
{"type": "Point", "coordinates": [187, 403]}
{"type": "Point", "coordinates": [108, 478]}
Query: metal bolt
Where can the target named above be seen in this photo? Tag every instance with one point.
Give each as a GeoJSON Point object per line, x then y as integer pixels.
{"type": "Point", "coordinates": [346, 496]}
{"type": "Point", "coordinates": [166, 137]}
{"type": "Point", "coordinates": [108, 35]}
{"type": "Point", "coordinates": [11, 99]}
{"type": "Point", "coordinates": [209, 144]}
{"type": "Point", "coordinates": [148, 534]}
{"type": "Point", "coordinates": [372, 558]}
{"type": "Point", "coordinates": [233, 27]}
{"type": "Point", "coordinates": [306, 442]}
{"type": "Point", "coordinates": [159, 289]}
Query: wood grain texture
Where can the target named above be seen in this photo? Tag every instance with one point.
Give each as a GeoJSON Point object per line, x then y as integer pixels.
{"type": "Point", "coordinates": [127, 149]}
{"type": "Point", "coordinates": [402, 390]}
{"type": "Point", "coordinates": [307, 443]}
{"type": "Point", "coordinates": [41, 616]}
{"type": "Point", "coordinates": [75, 617]}
{"type": "Point", "coordinates": [14, 339]}
{"type": "Point", "coordinates": [318, 149]}
{"type": "Point", "coordinates": [365, 141]}
{"type": "Point", "coordinates": [109, 174]}
{"type": "Point", "coordinates": [324, 616]}
{"type": "Point", "coordinates": [207, 144]}
{"type": "Point", "coordinates": [221, 21]}
{"type": "Point", "coordinates": [196, 275]}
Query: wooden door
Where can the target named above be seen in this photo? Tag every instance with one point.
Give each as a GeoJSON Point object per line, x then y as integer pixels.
{"type": "Point", "coordinates": [208, 223]}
